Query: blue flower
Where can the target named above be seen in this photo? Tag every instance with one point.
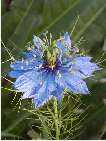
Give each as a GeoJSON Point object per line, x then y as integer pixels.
{"type": "Point", "coordinates": [43, 74]}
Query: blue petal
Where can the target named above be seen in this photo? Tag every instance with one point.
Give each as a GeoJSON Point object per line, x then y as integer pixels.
{"type": "Point", "coordinates": [84, 58]}
{"type": "Point", "coordinates": [78, 74]}
{"type": "Point", "coordinates": [37, 53]}
{"type": "Point", "coordinates": [28, 55]}
{"type": "Point", "coordinates": [76, 84]}
{"type": "Point", "coordinates": [58, 93]}
{"type": "Point", "coordinates": [29, 83]}
{"type": "Point", "coordinates": [25, 65]}
{"type": "Point", "coordinates": [73, 83]}
{"type": "Point", "coordinates": [46, 91]}
{"type": "Point", "coordinates": [16, 74]}
{"type": "Point", "coordinates": [51, 83]}
{"type": "Point", "coordinates": [67, 40]}
{"type": "Point", "coordinates": [37, 41]}
{"type": "Point", "coordinates": [42, 96]}
{"type": "Point", "coordinates": [59, 79]}
{"type": "Point", "coordinates": [84, 65]}
{"type": "Point", "coordinates": [29, 93]}
{"type": "Point", "coordinates": [65, 43]}
{"type": "Point", "coordinates": [34, 53]}
{"type": "Point", "coordinates": [61, 46]}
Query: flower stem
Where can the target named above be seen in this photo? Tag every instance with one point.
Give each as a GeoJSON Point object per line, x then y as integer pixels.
{"type": "Point", "coordinates": [56, 118]}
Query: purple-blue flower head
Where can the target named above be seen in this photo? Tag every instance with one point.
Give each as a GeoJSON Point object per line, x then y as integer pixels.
{"type": "Point", "coordinates": [49, 68]}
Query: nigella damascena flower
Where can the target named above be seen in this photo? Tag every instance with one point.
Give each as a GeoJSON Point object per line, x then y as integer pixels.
{"type": "Point", "coordinates": [49, 67]}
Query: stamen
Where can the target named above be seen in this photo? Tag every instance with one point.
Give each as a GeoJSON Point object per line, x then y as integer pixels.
{"type": "Point", "coordinates": [29, 48]}
{"type": "Point", "coordinates": [52, 66]}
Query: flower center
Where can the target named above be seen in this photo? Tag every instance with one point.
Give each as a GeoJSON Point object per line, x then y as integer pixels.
{"type": "Point", "coordinates": [50, 58]}
{"type": "Point", "coordinates": [51, 66]}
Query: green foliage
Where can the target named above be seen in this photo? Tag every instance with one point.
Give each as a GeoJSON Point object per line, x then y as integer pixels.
{"type": "Point", "coordinates": [52, 121]}
{"type": "Point", "coordinates": [29, 17]}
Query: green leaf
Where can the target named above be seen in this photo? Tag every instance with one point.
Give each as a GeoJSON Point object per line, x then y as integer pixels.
{"type": "Point", "coordinates": [94, 124]}
{"type": "Point", "coordinates": [104, 46]}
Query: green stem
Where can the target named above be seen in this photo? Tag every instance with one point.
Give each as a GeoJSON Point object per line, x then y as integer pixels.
{"type": "Point", "coordinates": [56, 119]}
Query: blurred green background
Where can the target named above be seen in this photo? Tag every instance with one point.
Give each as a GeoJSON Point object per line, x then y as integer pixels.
{"type": "Point", "coordinates": [23, 18]}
